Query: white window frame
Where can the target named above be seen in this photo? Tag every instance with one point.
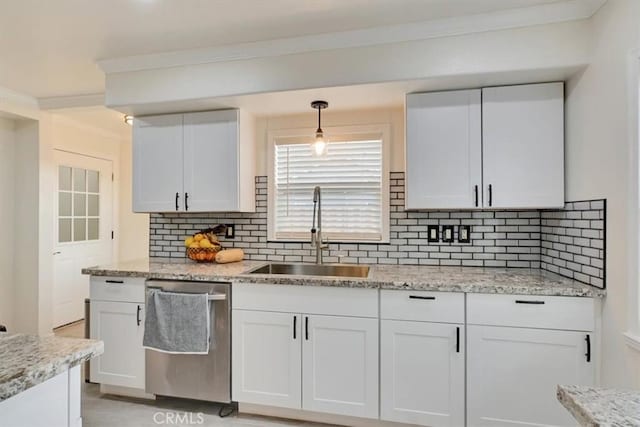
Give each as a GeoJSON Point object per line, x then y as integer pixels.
{"type": "Point", "coordinates": [306, 136]}
{"type": "Point", "coordinates": [632, 335]}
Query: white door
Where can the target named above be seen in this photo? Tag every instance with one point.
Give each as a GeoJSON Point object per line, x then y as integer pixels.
{"type": "Point", "coordinates": [121, 326]}
{"type": "Point", "coordinates": [211, 161]}
{"type": "Point", "coordinates": [444, 150]}
{"type": "Point", "coordinates": [83, 225]}
{"type": "Point", "coordinates": [340, 365]}
{"type": "Point", "coordinates": [266, 358]}
{"type": "Point", "coordinates": [512, 375]}
{"type": "Point", "coordinates": [523, 146]}
{"type": "Point", "coordinates": [422, 373]}
{"type": "Point", "coordinates": [158, 164]}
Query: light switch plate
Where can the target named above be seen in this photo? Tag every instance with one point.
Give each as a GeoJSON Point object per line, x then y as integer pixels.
{"type": "Point", "coordinates": [464, 234]}
{"type": "Point", "coordinates": [447, 233]}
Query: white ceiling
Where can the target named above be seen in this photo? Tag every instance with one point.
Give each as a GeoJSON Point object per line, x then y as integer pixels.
{"type": "Point", "coordinates": [50, 48]}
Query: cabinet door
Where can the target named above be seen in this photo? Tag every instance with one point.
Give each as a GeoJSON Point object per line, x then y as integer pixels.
{"type": "Point", "coordinates": [121, 326]}
{"type": "Point", "coordinates": [523, 146]}
{"type": "Point", "coordinates": [211, 161]}
{"type": "Point", "coordinates": [443, 150]}
{"type": "Point", "coordinates": [340, 365]}
{"type": "Point", "coordinates": [513, 374]}
{"type": "Point", "coordinates": [422, 373]}
{"type": "Point", "coordinates": [266, 357]}
{"type": "Point", "coordinates": [157, 164]}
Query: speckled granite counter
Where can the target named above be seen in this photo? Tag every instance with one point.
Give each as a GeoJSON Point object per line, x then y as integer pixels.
{"type": "Point", "coordinates": [449, 279]}
{"type": "Point", "coordinates": [27, 360]}
{"type": "Point", "coordinates": [600, 407]}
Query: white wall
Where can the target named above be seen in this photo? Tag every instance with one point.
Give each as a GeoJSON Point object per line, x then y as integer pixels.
{"type": "Point", "coordinates": [393, 116]}
{"type": "Point", "coordinates": [597, 165]}
{"type": "Point", "coordinates": [133, 227]}
{"type": "Point", "coordinates": [27, 254]}
{"type": "Point", "coordinates": [7, 237]}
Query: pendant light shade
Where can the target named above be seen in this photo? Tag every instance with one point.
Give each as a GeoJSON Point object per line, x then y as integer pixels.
{"type": "Point", "coordinates": [320, 143]}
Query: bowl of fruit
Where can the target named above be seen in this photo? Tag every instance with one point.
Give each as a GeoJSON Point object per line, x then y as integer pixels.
{"type": "Point", "coordinates": [203, 246]}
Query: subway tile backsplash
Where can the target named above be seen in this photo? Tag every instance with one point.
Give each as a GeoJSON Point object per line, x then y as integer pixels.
{"type": "Point", "coordinates": [498, 238]}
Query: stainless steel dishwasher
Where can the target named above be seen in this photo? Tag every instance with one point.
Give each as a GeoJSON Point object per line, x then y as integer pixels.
{"type": "Point", "coordinates": [195, 376]}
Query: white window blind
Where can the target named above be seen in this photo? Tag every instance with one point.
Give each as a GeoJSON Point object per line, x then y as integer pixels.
{"type": "Point", "coordinates": [350, 177]}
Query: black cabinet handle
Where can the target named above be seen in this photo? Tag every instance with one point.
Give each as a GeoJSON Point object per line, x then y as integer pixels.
{"type": "Point", "coordinates": [186, 201]}
{"type": "Point", "coordinates": [421, 297]}
{"type": "Point", "coordinates": [114, 281]}
{"type": "Point", "coordinates": [588, 353]}
{"type": "Point", "coordinates": [177, 201]}
{"type": "Point", "coordinates": [490, 195]}
{"type": "Point", "coordinates": [295, 326]}
{"type": "Point", "coordinates": [306, 328]}
{"type": "Point", "coordinates": [138, 315]}
{"type": "Point", "coordinates": [521, 301]}
{"type": "Point", "coordinates": [458, 339]}
{"type": "Point", "coordinates": [476, 194]}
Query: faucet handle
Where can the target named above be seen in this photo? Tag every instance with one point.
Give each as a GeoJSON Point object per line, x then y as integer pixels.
{"type": "Point", "coordinates": [313, 236]}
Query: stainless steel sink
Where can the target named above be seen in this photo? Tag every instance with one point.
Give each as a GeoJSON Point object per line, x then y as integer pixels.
{"type": "Point", "coordinates": [338, 270]}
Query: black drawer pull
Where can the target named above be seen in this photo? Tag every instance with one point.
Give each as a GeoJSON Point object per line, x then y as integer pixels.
{"type": "Point", "coordinates": [138, 315]}
{"type": "Point", "coordinates": [177, 201]}
{"type": "Point", "coordinates": [458, 339]}
{"type": "Point", "coordinates": [295, 326]}
{"type": "Point", "coordinates": [520, 301]}
{"type": "Point", "coordinates": [490, 195]}
{"type": "Point", "coordinates": [588, 353]}
{"type": "Point", "coordinates": [114, 281]}
{"type": "Point", "coordinates": [420, 297]}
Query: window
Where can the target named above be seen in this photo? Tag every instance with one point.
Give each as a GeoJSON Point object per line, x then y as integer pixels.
{"type": "Point", "coordinates": [352, 177]}
{"type": "Point", "coordinates": [78, 204]}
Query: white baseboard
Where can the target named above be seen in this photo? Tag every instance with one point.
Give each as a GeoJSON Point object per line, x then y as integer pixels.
{"type": "Point", "coordinates": [126, 391]}
{"type": "Point", "coordinates": [318, 417]}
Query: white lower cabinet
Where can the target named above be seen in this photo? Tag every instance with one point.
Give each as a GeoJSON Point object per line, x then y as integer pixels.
{"type": "Point", "coordinates": [121, 326]}
{"type": "Point", "coordinates": [266, 358]}
{"type": "Point", "coordinates": [513, 374]}
{"type": "Point", "coordinates": [340, 365]}
{"type": "Point", "coordinates": [422, 373]}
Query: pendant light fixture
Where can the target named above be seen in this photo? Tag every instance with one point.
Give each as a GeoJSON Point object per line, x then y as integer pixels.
{"type": "Point", "coordinates": [320, 143]}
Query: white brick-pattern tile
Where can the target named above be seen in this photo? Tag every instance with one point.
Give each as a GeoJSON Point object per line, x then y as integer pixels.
{"type": "Point", "coordinates": [522, 239]}
{"type": "Point", "coordinates": [573, 241]}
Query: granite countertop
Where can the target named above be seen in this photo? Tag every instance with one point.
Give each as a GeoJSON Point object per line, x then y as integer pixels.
{"type": "Point", "coordinates": [28, 360]}
{"type": "Point", "coordinates": [601, 407]}
{"type": "Point", "coordinates": [447, 279]}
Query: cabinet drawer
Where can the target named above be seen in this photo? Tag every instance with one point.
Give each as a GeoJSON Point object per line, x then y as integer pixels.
{"type": "Point", "coordinates": [531, 311]}
{"type": "Point", "coordinates": [444, 307]}
{"type": "Point", "coordinates": [123, 289]}
{"type": "Point", "coordinates": [355, 302]}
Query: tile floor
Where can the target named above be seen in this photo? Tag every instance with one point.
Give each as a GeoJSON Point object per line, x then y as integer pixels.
{"type": "Point", "coordinates": [100, 410]}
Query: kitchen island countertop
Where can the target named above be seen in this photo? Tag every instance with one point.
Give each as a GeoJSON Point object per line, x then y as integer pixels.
{"type": "Point", "coordinates": [601, 407]}
{"type": "Point", "coordinates": [29, 360]}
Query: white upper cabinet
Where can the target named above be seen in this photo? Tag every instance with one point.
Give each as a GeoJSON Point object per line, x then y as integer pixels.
{"type": "Point", "coordinates": [194, 162]}
{"type": "Point", "coordinates": [523, 145]}
{"type": "Point", "coordinates": [211, 160]}
{"type": "Point", "coordinates": [444, 150]}
{"type": "Point", "coordinates": [157, 163]}
{"type": "Point", "coordinates": [508, 141]}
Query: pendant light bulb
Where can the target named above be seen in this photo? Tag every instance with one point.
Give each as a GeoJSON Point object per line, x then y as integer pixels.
{"type": "Point", "coordinates": [320, 144]}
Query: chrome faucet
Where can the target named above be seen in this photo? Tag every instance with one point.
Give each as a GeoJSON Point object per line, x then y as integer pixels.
{"type": "Point", "coordinates": [316, 234]}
